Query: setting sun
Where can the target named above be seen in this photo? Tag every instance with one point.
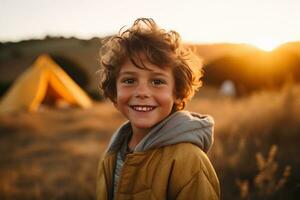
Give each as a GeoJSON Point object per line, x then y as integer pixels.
{"type": "Point", "coordinates": [266, 44]}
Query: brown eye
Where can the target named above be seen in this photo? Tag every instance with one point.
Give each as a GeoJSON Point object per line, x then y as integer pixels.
{"type": "Point", "coordinates": [128, 81]}
{"type": "Point", "coordinates": [157, 82]}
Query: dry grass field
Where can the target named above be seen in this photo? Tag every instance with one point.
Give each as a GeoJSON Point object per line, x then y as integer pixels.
{"type": "Point", "coordinates": [53, 154]}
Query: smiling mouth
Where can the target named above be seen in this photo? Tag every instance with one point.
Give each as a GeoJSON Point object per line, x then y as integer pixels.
{"type": "Point", "coordinates": [143, 108]}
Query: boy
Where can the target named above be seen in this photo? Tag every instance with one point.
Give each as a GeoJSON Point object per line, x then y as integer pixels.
{"type": "Point", "coordinates": [158, 153]}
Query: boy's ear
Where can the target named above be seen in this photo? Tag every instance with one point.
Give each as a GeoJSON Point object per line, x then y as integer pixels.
{"type": "Point", "coordinates": [178, 102]}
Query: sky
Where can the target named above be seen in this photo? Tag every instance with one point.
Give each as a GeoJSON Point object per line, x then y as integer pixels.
{"type": "Point", "coordinates": [265, 23]}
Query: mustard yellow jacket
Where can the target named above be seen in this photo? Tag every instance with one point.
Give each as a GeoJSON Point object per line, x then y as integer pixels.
{"type": "Point", "coordinates": [181, 171]}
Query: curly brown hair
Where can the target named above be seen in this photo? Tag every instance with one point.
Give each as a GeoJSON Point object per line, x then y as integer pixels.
{"type": "Point", "coordinates": [161, 48]}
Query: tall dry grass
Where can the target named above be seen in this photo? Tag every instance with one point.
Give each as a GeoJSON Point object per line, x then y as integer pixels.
{"type": "Point", "coordinates": [53, 154]}
{"type": "Point", "coordinates": [249, 127]}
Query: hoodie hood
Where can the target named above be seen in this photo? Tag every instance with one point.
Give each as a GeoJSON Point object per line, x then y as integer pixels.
{"type": "Point", "coordinates": [179, 127]}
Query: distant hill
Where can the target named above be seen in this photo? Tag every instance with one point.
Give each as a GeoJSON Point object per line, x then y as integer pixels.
{"type": "Point", "coordinates": [250, 68]}
{"type": "Point", "coordinates": [79, 58]}
{"type": "Point", "coordinates": [247, 66]}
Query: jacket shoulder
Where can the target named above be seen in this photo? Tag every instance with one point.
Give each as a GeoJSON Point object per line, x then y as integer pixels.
{"type": "Point", "coordinates": [190, 162]}
{"type": "Point", "coordinates": [189, 152]}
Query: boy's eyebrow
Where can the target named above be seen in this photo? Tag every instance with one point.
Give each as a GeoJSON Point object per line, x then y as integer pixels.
{"type": "Point", "coordinates": [134, 73]}
{"type": "Point", "coordinates": [159, 74]}
{"type": "Point", "coordinates": [127, 72]}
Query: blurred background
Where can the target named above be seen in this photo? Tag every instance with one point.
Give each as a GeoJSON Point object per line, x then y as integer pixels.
{"type": "Point", "coordinates": [55, 125]}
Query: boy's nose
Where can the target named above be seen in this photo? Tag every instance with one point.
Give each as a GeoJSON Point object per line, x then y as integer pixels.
{"type": "Point", "coordinates": [142, 91]}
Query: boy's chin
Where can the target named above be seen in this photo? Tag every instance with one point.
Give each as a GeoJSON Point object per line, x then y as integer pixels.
{"type": "Point", "coordinates": [145, 125]}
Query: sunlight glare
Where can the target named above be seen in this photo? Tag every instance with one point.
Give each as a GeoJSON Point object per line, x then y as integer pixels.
{"type": "Point", "coordinates": [266, 44]}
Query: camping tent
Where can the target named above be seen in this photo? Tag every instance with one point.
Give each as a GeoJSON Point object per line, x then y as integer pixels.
{"type": "Point", "coordinates": [43, 82]}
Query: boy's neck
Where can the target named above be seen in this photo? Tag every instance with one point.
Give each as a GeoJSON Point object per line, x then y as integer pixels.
{"type": "Point", "coordinates": [137, 136]}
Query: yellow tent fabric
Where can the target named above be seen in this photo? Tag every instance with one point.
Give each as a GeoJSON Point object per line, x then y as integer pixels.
{"type": "Point", "coordinates": [30, 89]}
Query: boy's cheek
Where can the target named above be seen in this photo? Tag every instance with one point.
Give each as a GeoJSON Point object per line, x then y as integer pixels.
{"type": "Point", "coordinates": [123, 96]}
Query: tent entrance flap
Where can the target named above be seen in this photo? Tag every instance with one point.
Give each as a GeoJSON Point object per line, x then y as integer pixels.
{"type": "Point", "coordinates": [53, 98]}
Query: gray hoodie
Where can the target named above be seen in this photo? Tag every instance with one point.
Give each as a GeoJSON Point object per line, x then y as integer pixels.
{"type": "Point", "coordinates": [181, 126]}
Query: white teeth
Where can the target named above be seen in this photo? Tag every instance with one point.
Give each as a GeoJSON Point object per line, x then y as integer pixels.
{"type": "Point", "coordinates": [143, 108]}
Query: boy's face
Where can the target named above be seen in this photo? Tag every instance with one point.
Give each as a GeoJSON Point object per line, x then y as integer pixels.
{"type": "Point", "coordinates": [145, 97]}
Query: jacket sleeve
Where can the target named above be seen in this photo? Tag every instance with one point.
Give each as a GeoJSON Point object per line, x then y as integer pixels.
{"type": "Point", "coordinates": [200, 187]}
